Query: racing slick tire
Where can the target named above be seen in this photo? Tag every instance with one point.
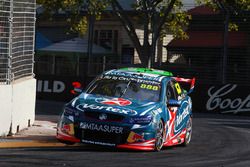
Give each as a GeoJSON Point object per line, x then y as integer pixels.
{"type": "Point", "coordinates": [159, 137]}
{"type": "Point", "coordinates": [188, 134]}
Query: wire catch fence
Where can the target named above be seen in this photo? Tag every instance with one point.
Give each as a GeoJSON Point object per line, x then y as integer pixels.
{"type": "Point", "coordinates": [17, 31]}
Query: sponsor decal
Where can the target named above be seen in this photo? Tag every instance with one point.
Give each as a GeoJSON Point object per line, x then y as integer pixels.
{"type": "Point", "coordinates": [98, 143]}
{"type": "Point", "coordinates": [149, 87]}
{"type": "Point", "coordinates": [102, 128]}
{"type": "Point", "coordinates": [178, 88]}
{"type": "Point", "coordinates": [122, 78]}
{"type": "Point", "coordinates": [217, 100]}
{"type": "Point", "coordinates": [134, 137]}
{"type": "Point", "coordinates": [84, 106]}
{"type": "Point", "coordinates": [114, 101]}
{"type": "Point", "coordinates": [135, 75]}
{"type": "Point", "coordinates": [103, 116]}
{"type": "Point", "coordinates": [180, 117]}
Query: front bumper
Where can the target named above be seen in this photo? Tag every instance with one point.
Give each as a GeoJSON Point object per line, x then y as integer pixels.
{"type": "Point", "coordinates": [124, 136]}
{"type": "Point", "coordinates": [142, 145]}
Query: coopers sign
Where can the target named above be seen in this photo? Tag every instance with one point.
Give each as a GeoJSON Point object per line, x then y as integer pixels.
{"type": "Point", "coordinates": [229, 98]}
{"type": "Point", "coordinates": [225, 100]}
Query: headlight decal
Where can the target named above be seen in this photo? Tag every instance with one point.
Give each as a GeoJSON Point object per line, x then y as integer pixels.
{"type": "Point", "coordinates": [68, 128]}
{"type": "Point", "coordinates": [66, 125]}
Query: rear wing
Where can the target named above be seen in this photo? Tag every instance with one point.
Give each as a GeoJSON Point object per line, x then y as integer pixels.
{"type": "Point", "coordinates": [188, 81]}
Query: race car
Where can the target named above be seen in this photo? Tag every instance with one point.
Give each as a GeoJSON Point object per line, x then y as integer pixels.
{"type": "Point", "coordinates": [130, 108]}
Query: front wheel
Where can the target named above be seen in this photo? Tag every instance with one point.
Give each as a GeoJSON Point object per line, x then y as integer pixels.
{"type": "Point", "coordinates": [159, 137]}
{"type": "Point", "coordinates": [188, 132]}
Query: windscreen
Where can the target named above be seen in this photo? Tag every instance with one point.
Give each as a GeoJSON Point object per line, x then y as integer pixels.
{"type": "Point", "coordinates": [129, 89]}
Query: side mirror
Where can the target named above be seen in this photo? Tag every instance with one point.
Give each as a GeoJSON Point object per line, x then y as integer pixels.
{"type": "Point", "coordinates": [173, 103]}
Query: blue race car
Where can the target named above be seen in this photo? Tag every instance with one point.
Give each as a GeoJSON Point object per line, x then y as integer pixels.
{"type": "Point", "coordinates": [130, 108]}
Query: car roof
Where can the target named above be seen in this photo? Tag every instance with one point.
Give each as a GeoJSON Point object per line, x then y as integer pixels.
{"type": "Point", "coordinates": [140, 73]}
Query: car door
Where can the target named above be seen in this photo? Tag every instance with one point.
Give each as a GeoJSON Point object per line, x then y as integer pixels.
{"type": "Point", "coordinates": [177, 114]}
{"type": "Point", "coordinates": [182, 110]}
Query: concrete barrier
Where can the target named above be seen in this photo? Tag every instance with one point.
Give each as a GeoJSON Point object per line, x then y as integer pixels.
{"type": "Point", "coordinates": [5, 109]}
{"type": "Point", "coordinates": [17, 103]}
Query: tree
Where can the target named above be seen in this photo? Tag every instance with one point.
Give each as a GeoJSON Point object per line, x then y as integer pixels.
{"type": "Point", "coordinates": [157, 17]}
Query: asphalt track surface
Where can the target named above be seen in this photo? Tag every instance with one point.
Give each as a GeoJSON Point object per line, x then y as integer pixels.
{"type": "Point", "coordinates": [218, 141]}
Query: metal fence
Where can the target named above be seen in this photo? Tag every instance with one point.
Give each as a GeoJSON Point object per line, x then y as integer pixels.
{"type": "Point", "coordinates": [4, 39]}
{"type": "Point", "coordinates": [211, 54]}
{"type": "Point", "coordinates": [17, 29]}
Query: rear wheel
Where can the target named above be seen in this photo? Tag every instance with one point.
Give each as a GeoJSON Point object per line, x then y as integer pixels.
{"type": "Point", "coordinates": [188, 132]}
{"type": "Point", "coordinates": [159, 137]}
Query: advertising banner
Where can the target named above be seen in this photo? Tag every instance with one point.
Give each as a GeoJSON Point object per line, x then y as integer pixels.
{"type": "Point", "coordinates": [228, 98]}
{"type": "Point", "coordinates": [59, 88]}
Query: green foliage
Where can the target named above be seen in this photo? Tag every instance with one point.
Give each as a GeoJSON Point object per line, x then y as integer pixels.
{"type": "Point", "coordinates": [178, 25]}
{"type": "Point", "coordinates": [74, 9]}
{"type": "Point", "coordinates": [80, 26]}
{"type": "Point", "coordinates": [244, 4]}
{"type": "Point", "coordinates": [176, 22]}
{"type": "Point", "coordinates": [233, 27]}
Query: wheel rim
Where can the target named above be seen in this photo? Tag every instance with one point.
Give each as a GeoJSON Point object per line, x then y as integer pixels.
{"type": "Point", "coordinates": [189, 131]}
{"type": "Point", "coordinates": [159, 136]}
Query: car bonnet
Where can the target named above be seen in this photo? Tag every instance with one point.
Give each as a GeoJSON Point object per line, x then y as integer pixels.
{"type": "Point", "coordinates": [89, 102]}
